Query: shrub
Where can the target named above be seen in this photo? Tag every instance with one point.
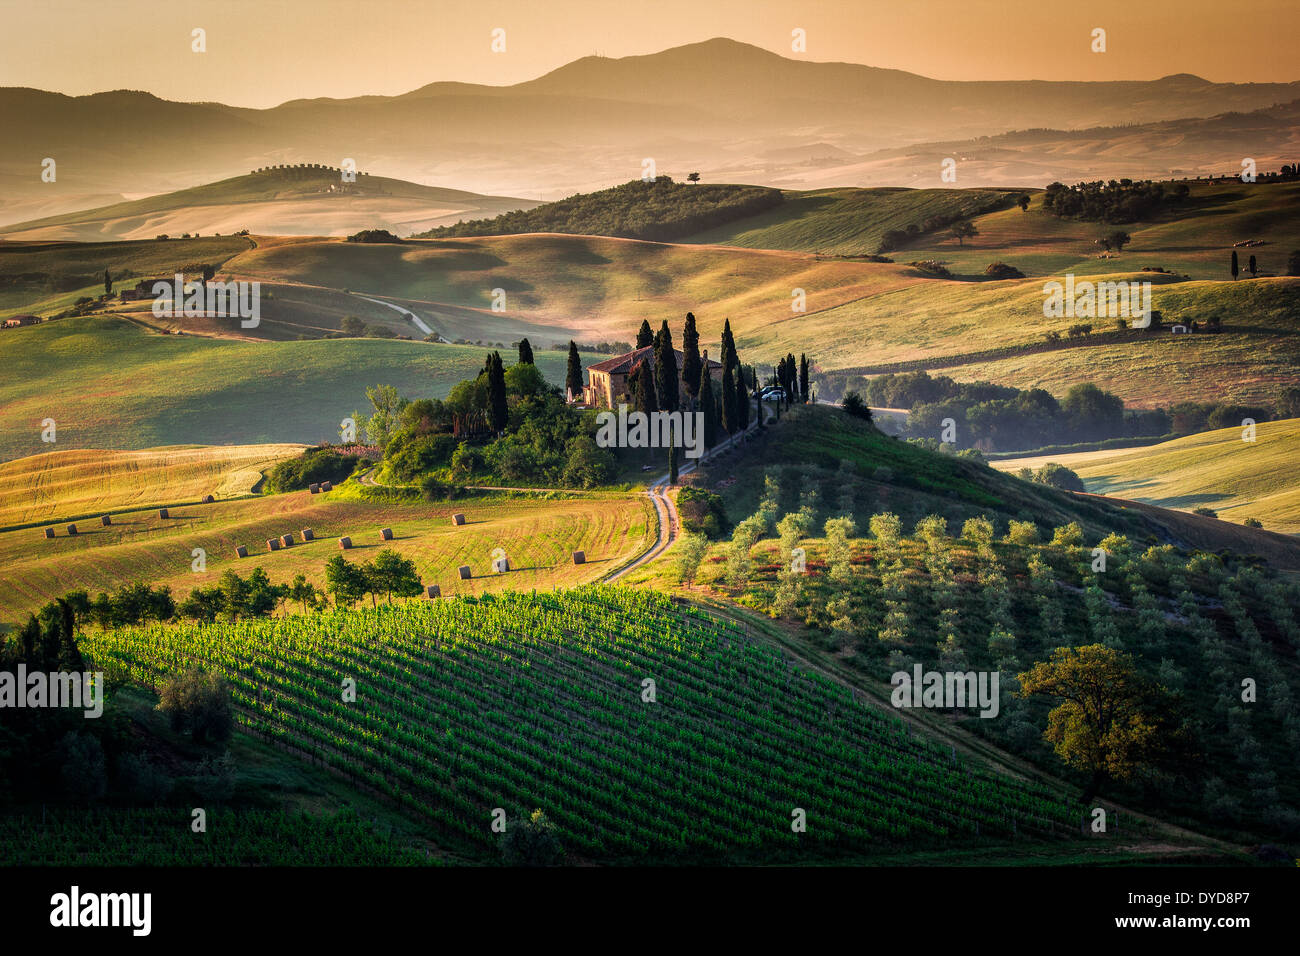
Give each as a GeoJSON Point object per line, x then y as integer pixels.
{"type": "Point", "coordinates": [1058, 476]}
{"type": "Point", "coordinates": [1023, 533]}
{"type": "Point", "coordinates": [312, 467]}
{"type": "Point", "coordinates": [1000, 270]}
{"type": "Point", "coordinates": [532, 842]}
{"type": "Point", "coordinates": [701, 512]}
{"type": "Point", "coordinates": [198, 702]}
{"type": "Point", "coordinates": [855, 406]}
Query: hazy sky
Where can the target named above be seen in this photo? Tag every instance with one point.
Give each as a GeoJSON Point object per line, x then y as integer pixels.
{"type": "Point", "coordinates": [263, 52]}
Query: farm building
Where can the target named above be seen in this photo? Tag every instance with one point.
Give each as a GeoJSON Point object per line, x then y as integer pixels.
{"type": "Point", "coordinates": [607, 380]}
{"type": "Point", "coordinates": [14, 321]}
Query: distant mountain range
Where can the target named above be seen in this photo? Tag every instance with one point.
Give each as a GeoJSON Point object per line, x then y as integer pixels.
{"type": "Point", "coordinates": [732, 111]}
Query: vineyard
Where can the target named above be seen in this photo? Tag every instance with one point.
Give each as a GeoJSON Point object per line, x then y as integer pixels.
{"type": "Point", "coordinates": [162, 837]}
{"type": "Point", "coordinates": [521, 701]}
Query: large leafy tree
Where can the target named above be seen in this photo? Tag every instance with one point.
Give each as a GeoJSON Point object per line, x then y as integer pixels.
{"type": "Point", "coordinates": [392, 575]}
{"type": "Point", "coordinates": [691, 356]}
{"type": "Point", "coordinates": [666, 370]}
{"type": "Point", "coordinates": [1111, 722]}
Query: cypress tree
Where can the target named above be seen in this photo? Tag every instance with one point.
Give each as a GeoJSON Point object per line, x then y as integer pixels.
{"type": "Point", "coordinates": [573, 377]}
{"type": "Point", "coordinates": [672, 462]}
{"type": "Point", "coordinates": [691, 356]}
{"type": "Point", "coordinates": [666, 370]}
{"type": "Point", "coordinates": [643, 389]}
{"type": "Point", "coordinates": [729, 357]}
{"type": "Point", "coordinates": [498, 409]}
{"type": "Point", "coordinates": [803, 378]}
{"type": "Point", "coordinates": [742, 399]}
{"type": "Point", "coordinates": [644, 336]}
{"type": "Point", "coordinates": [1234, 263]}
{"type": "Point", "coordinates": [728, 399]}
{"type": "Point", "coordinates": [525, 352]}
{"type": "Point", "coordinates": [758, 401]}
{"type": "Point", "coordinates": [708, 406]}
{"type": "Point", "coordinates": [108, 283]}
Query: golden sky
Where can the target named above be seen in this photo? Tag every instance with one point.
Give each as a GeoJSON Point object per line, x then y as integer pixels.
{"type": "Point", "coordinates": [263, 52]}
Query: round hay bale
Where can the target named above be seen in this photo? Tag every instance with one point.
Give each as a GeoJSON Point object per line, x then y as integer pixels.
{"type": "Point", "coordinates": [314, 488]}
{"type": "Point", "coordinates": [49, 532]}
{"type": "Point", "coordinates": [580, 557]}
{"type": "Point", "coordinates": [241, 552]}
{"type": "Point", "coordinates": [457, 519]}
{"type": "Point", "coordinates": [386, 534]}
{"type": "Point", "coordinates": [72, 529]}
{"type": "Point", "coordinates": [326, 486]}
{"type": "Point", "coordinates": [162, 512]}
{"type": "Point", "coordinates": [286, 540]}
{"type": "Point", "coordinates": [208, 499]}
{"type": "Point", "coordinates": [272, 544]}
{"type": "Point", "coordinates": [434, 591]}
{"type": "Point", "coordinates": [345, 543]}
{"type": "Point", "coordinates": [464, 572]}
{"type": "Point", "coordinates": [307, 535]}
{"type": "Point", "coordinates": [106, 520]}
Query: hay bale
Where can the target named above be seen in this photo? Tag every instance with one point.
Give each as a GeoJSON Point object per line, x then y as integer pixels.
{"type": "Point", "coordinates": [433, 591]}
{"type": "Point", "coordinates": [501, 565]}
{"type": "Point", "coordinates": [208, 499]}
{"type": "Point", "coordinates": [272, 544]}
{"type": "Point", "coordinates": [386, 534]}
{"type": "Point", "coordinates": [314, 488]}
{"type": "Point", "coordinates": [464, 572]}
{"type": "Point", "coordinates": [457, 519]}
{"type": "Point", "coordinates": [307, 535]}
{"type": "Point", "coordinates": [345, 543]}
{"type": "Point", "coordinates": [72, 529]}
{"type": "Point", "coordinates": [162, 512]}
{"type": "Point", "coordinates": [49, 532]}
{"type": "Point", "coordinates": [580, 557]}
{"type": "Point", "coordinates": [241, 552]}
{"type": "Point", "coordinates": [105, 520]}
{"type": "Point", "coordinates": [326, 486]}
{"type": "Point", "coordinates": [286, 540]}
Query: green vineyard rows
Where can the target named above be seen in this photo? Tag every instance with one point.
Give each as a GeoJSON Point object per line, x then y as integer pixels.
{"type": "Point", "coordinates": [526, 701]}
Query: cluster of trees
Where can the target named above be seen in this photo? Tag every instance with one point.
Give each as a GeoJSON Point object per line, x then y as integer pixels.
{"type": "Point", "coordinates": [373, 235]}
{"type": "Point", "coordinates": [351, 327]}
{"type": "Point", "coordinates": [505, 423]}
{"type": "Point", "coordinates": [314, 466]}
{"type": "Point", "coordinates": [600, 348]}
{"type": "Point", "coordinates": [1001, 418]}
{"type": "Point", "coordinates": [1122, 200]}
{"type": "Point", "coordinates": [389, 575]}
{"type": "Point", "coordinates": [659, 211]}
{"type": "Point", "coordinates": [234, 597]}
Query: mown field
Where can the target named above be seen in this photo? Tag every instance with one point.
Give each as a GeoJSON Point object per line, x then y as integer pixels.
{"type": "Point", "coordinates": [536, 702]}
{"type": "Point", "coordinates": [70, 484]}
{"type": "Point", "coordinates": [537, 535]}
{"type": "Point", "coordinates": [109, 383]}
{"type": "Point", "coordinates": [1217, 470]}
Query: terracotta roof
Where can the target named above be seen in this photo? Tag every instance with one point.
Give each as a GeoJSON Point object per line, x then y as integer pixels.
{"type": "Point", "coordinates": [623, 364]}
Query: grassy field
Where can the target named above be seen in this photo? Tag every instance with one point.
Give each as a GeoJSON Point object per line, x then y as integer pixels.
{"type": "Point", "coordinates": [538, 537]}
{"type": "Point", "coordinates": [67, 484]}
{"type": "Point", "coordinates": [846, 222]}
{"type": "Point", "coordinates": [1216, 470]}
{"type": "Point", "coordinates": [108, 383]}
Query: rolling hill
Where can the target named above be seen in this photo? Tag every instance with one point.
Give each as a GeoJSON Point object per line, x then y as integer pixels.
{"type": "Point", "coordinates": [109, 383]}
{"type": "Point", "coordinates": [309, 201]}
{"type": "Point", "coordinates": [1216, 470]}
{"type": "Point", "coordinates": [725, 108]}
